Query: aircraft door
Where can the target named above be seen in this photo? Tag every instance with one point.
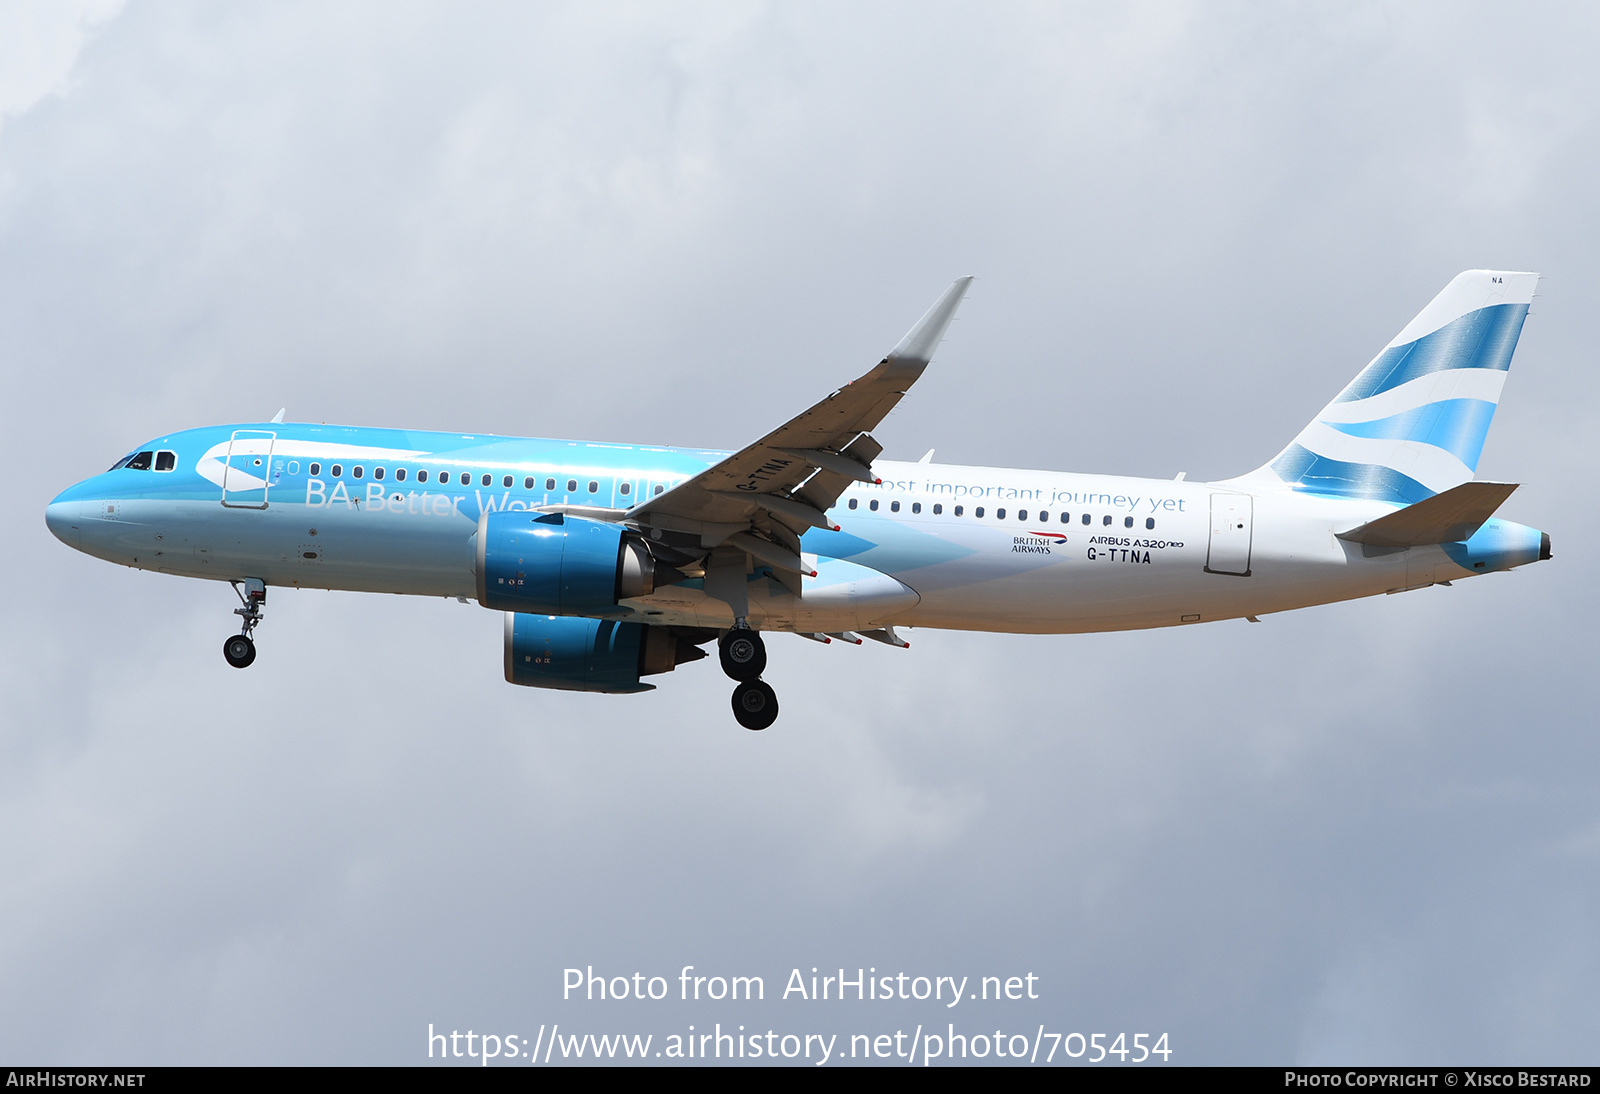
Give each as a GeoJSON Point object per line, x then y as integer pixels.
{"type": "Point", "coordinates": [1231, 519]}
{"type": "Point", "coordinates": [247, 473]}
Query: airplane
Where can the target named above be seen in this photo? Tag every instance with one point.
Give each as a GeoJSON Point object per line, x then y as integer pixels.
{"type": "Point", "coordinates": [613, 562]}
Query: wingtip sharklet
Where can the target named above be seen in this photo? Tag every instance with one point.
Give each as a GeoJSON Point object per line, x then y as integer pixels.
{"type": "Point", "coordinates": [922, 339]}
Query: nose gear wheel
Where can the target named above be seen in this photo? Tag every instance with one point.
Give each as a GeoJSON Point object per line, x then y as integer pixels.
{"type": "Point", "coordinates": [240, 649]}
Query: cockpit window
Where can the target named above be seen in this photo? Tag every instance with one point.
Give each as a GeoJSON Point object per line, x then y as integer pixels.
{"type": "Point", "coordinates": [166, 461]}
{"type": "Point", "coordinates": [141, 462]}
{"type": "Point", "coordinates": [120, 464]}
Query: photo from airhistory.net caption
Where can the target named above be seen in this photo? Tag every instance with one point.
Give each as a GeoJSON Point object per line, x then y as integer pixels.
{"type": "Point", "coordinates": [960, 1023]}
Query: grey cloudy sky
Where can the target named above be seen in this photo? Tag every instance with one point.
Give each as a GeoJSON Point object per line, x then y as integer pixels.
{"type": "Point", "coordinates": [1361, 833]}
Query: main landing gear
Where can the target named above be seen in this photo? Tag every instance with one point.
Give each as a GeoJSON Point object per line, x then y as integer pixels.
{"type": "Point", "coordinates": [240, 649]}
{"type": "Point", "coordinates": [744, 658]}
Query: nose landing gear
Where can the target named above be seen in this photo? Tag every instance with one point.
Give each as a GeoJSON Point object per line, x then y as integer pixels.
{"type": "Point", "coordinates": [744, 658]}
{"type": "Point", "coordinates": [240, 649]}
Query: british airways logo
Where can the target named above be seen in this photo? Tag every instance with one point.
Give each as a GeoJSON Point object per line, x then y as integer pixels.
{"type": "Point", "coordinates": [1037, 543]}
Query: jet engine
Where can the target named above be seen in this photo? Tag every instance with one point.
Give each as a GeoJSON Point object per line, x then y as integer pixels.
{"type": "Point", "coordinates": [575, 654]}
{"type": "Point", "coordinates": [553, 564]}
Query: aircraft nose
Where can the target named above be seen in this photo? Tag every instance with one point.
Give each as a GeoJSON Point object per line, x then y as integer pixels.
{"type": "Point", "coordinates": [65, 522]}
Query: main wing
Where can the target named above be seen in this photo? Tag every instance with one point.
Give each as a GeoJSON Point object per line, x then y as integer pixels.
{"type": "Point", "coordinates": [764, 497]}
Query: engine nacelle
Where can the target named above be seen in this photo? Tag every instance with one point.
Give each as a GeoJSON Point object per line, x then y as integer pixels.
{"type": "Point", "coordinates": [575, 654]}
{"type": "Point", "coordinates": [552, 564]}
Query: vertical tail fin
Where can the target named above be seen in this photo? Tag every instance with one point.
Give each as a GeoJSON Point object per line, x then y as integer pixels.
{"type": "Point", "coordinates": [1413, 423]}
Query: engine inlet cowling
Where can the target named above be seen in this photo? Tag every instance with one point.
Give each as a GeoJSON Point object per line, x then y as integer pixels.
{"type": "Point", "coordinates": [553, 564]}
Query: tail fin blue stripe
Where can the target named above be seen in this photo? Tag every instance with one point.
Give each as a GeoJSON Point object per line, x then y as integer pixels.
{"type": "Point", "coordinates": [1481, 339]}
{"type": "Point", "coordinates": [1414, 421]}
{"type": "Point", "coordinates": [1459, 426]}
{"type": "Point", "coordinates": [1306, 470]}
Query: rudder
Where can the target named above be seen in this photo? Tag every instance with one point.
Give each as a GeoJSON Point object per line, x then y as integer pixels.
{"type": "Point", "coordinates": [1413, 422]}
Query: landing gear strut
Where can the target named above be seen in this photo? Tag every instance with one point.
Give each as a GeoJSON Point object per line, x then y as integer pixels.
{"type": "Point", "coordinates": [240, 649]}
{"type": "Point", "coordinates": [744, 658]}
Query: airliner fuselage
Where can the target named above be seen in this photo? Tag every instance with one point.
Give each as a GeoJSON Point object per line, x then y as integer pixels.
{"type": "Point", "coordinates": [967, 548]}
{"type": "Point", "coordinates": [615, 561]}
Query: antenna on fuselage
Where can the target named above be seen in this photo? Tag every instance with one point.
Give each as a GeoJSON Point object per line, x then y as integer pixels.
{"type": "Point", "coordinates": [278, 417]}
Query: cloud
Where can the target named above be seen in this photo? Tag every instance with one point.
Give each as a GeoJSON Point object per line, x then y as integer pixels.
{"type": "Point", "coordinates": [1192, 225]}
{"type": "Point", "coordinates": [40, 42]}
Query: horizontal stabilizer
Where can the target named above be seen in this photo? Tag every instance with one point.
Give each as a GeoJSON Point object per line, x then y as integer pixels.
{"type": "Point", "coordinates": [1450, 517]}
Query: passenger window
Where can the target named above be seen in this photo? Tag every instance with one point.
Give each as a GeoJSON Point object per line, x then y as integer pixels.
{"type": "Point", "coordinates": [466, 478]}
{"type": "Point", "coordinates": [527, 483]}
{"type": "Point", "coordinates": [852, 503]}
{"type": "Point", "coordinates": [1087, 519]}
{"type": "Point", "coordinates": [978, 512]}
{"type": "Point", "coordinates": [572, 486]}
{"type": "Point", "coordinates": [1022, 514]}
{"type": "Point", "coordinates": [506, 482]}
{"type": "Point", "coordinates": [400, 474]}
{"type": "Point", "coordinates": [337, 470]}
{"type": "Point", "coordinates": [1043, 516]}
{"type": "Point", "coordinates": [894, 507]}
{"type": "Point", "coordinates": [141, 462]}
{"type": "Point", "coordinates": [422, 475]}
{"type": "Point", "coordinates": [166, 461]}
{"type": "Point", "coordinates": [1066, 518]}
{"type": "Point", "coordinates": [959, 508]}
{"type": "Point", "coordinates": [873, 505]}
{"type": "Point", "coordinates": [937, 509]}
{"type": "Point", "coordinates": [357, 471]}
{"type": "Point", "coordinates": [999, 514]}
{"type": "Point", "coordinates": [549, 484]}
{"type": "Point", "coordinates": [1106, 520]}
{"type": "Point", "coordinates": [487, 478]}
{"type": "Point", "coordinates": [316, 469]}
{"type": "Point", "coordinates": [625, 489]}
{"type": "Point", "coordinates": [916, 507]}
{"type": "Point", "coordinates": [593, 486]}
{"type": "Point", "coordinates": [377, 472]}
{"type": "Point", "coordinates": [1127, 522]}
{"type": "Point", "coordinates": [1149, 522]}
